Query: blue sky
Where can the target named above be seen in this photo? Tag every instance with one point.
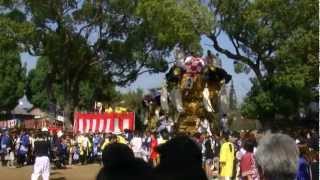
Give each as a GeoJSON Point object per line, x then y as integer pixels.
{"type": "Point", "coordinates": [146, 81]}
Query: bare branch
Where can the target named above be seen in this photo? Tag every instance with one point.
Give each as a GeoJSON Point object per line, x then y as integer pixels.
{"type": "Point", "coordinates": [145, 71]}
{"type": "Point", "coordinates": [234, 45]}
{"type": "Point", "coordinates": [229, 54]}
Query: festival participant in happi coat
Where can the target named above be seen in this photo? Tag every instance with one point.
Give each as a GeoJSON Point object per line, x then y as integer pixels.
{"type": "Point", "coordinates": [86, 148]}
{"type": "Point", "coordinates": [304, 168]}
{"type": "Point", "coordinates": [41, 151]}
{"type": "Point", "coordinates": [227, 156]}
{"type": "Point", "coordinates": [22, 148]}
{"type": "Point", "coordinates": [71, 146]}
{"type": "Point", "coordinates": [96, 145]}
{"type": "Point", "coordinates": [84, 144]}
{"type": "Point", "coordinates": [63, 152]}
{"type": "Point", "coordinates": [5, 146]}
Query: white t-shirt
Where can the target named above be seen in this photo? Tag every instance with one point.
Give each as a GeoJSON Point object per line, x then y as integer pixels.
{"type": "Point", "coordinates": [136, 144]}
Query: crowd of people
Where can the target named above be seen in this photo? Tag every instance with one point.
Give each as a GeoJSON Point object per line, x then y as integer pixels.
{"type": "Point", "coordinates": [164, 155]}
{"type": "Point", "coordinates": [276, 156]}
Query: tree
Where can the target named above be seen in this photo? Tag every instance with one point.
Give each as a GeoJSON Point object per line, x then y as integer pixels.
{"type": "Point", "coordinates": [124, 38]}
{"type": "Point", "coordinates": [277, 39]}
{"type": "Point", "coordinates": [36, 85]}
{"type": "Point", "coordinates": [12, 73]}
{"type": "Point", "coordinates": [98, 89]}
{"type": "Point", "coordinates": [232, 97]}
{"type": "Point", "coordinates": [12, 78]}
{"type": "Point", "coordinates": [132, 100]}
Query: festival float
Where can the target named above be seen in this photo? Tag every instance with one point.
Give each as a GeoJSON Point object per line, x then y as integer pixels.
{"type": "Point", "coordinates": [190, 93]}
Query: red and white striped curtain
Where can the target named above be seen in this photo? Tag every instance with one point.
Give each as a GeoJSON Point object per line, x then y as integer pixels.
{"type": "Point", "coordinates": [8, 123]}
{"type": "Point", "coordinates": [104, 122]}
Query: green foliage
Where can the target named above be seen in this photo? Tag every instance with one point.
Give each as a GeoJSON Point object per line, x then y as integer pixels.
{"type": "Point", "coordinates": [169, 22]}
{"type": "Point", "coordinates": [12, 73]}
{"type": "Point", "coordinates": [132, 100]}
{"type": "Point", "coordinates": [12, 77]}
{"type": "Point", "coordinates": [278, 40]}
{"type": "Point", "coordinates": [36, 88]}
{"type": "Point", "coordinates": [98, 89]}
{"type": "Point", "coordinates": [120, 39]}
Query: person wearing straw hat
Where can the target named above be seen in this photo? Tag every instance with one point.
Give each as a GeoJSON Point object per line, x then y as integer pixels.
{"type": "Point", "coordinates": [120, 138]}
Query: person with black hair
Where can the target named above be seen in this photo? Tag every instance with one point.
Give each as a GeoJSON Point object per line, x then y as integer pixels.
{"type": "Point", "coordinates": [248, 169]}
{"type": "Point", "coordinates": [41, 152]}
{"type": "Point", "coordinates": [208, 154]}
{"type": "Point", "coordinates": [180, 159]}
{"type": "Point", "coordinates": [119, 163]}
{"type": "Point", "coordinates": [5, 146]}
{"type": "Point", "coordinates": [227, 158]}
{"type": "Point", "coordinates": [224, 124]}
{"type": "Point", "coordinates": [304, 168]}
{"type": "Point", "coordinates": [22, 148]}
{"type": "Point", "coordinates": [153, 149]}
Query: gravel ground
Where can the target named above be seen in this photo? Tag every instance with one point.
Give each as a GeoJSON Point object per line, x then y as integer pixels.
{"type": "Point", "coordinates": [76, 172]}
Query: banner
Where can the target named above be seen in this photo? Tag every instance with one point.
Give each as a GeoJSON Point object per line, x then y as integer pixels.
{"type": "Point", "coordinates": [103, 122]}
{"type": "Point", "coordinates": [8, 123]}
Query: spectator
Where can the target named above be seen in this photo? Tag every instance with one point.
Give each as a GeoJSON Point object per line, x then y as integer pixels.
{"type": "Point", "coordinates": [248, 169]}
{"type": "Point", "coordinates": [303, 172]}
{"type": "Point", "coordinates": [153, 149]}
{"type": "Point", "coordinates": [136, 145]}
{"type": "Point", "coordinates": [119, 164]}
{"type": "Point", "coordinates": [180, 159]}
{"type": "Point", "coordinates": [277, 157]}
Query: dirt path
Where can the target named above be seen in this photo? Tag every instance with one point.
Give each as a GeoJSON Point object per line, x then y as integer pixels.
{"type": "Point", "coordinates": [87, 172]}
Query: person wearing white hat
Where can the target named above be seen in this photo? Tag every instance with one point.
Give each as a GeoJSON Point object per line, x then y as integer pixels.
{"type": "Point", "coordinates": [41, 150]}
{"type": "Point", "coordinates": [120, 139]}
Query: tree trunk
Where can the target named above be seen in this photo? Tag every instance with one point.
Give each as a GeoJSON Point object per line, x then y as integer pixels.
{"type": "Point", "coordinates": [68, 114]}
{"type": "Point", "coordinates": [68, 105]}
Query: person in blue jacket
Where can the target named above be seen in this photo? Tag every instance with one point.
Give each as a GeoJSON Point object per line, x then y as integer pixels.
{"type": "Point", "coordinates": [23, 148]}
{"type": "Point", "coordinates": [5, 146]}
{"type": "Point", "coordinates": [96, 146]}
{"type": "Point", "coordinates": [303, 171]}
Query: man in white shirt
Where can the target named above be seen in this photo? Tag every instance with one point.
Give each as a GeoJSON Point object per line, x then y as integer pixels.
{"type": "Point", "coordinates": [136, 145]}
